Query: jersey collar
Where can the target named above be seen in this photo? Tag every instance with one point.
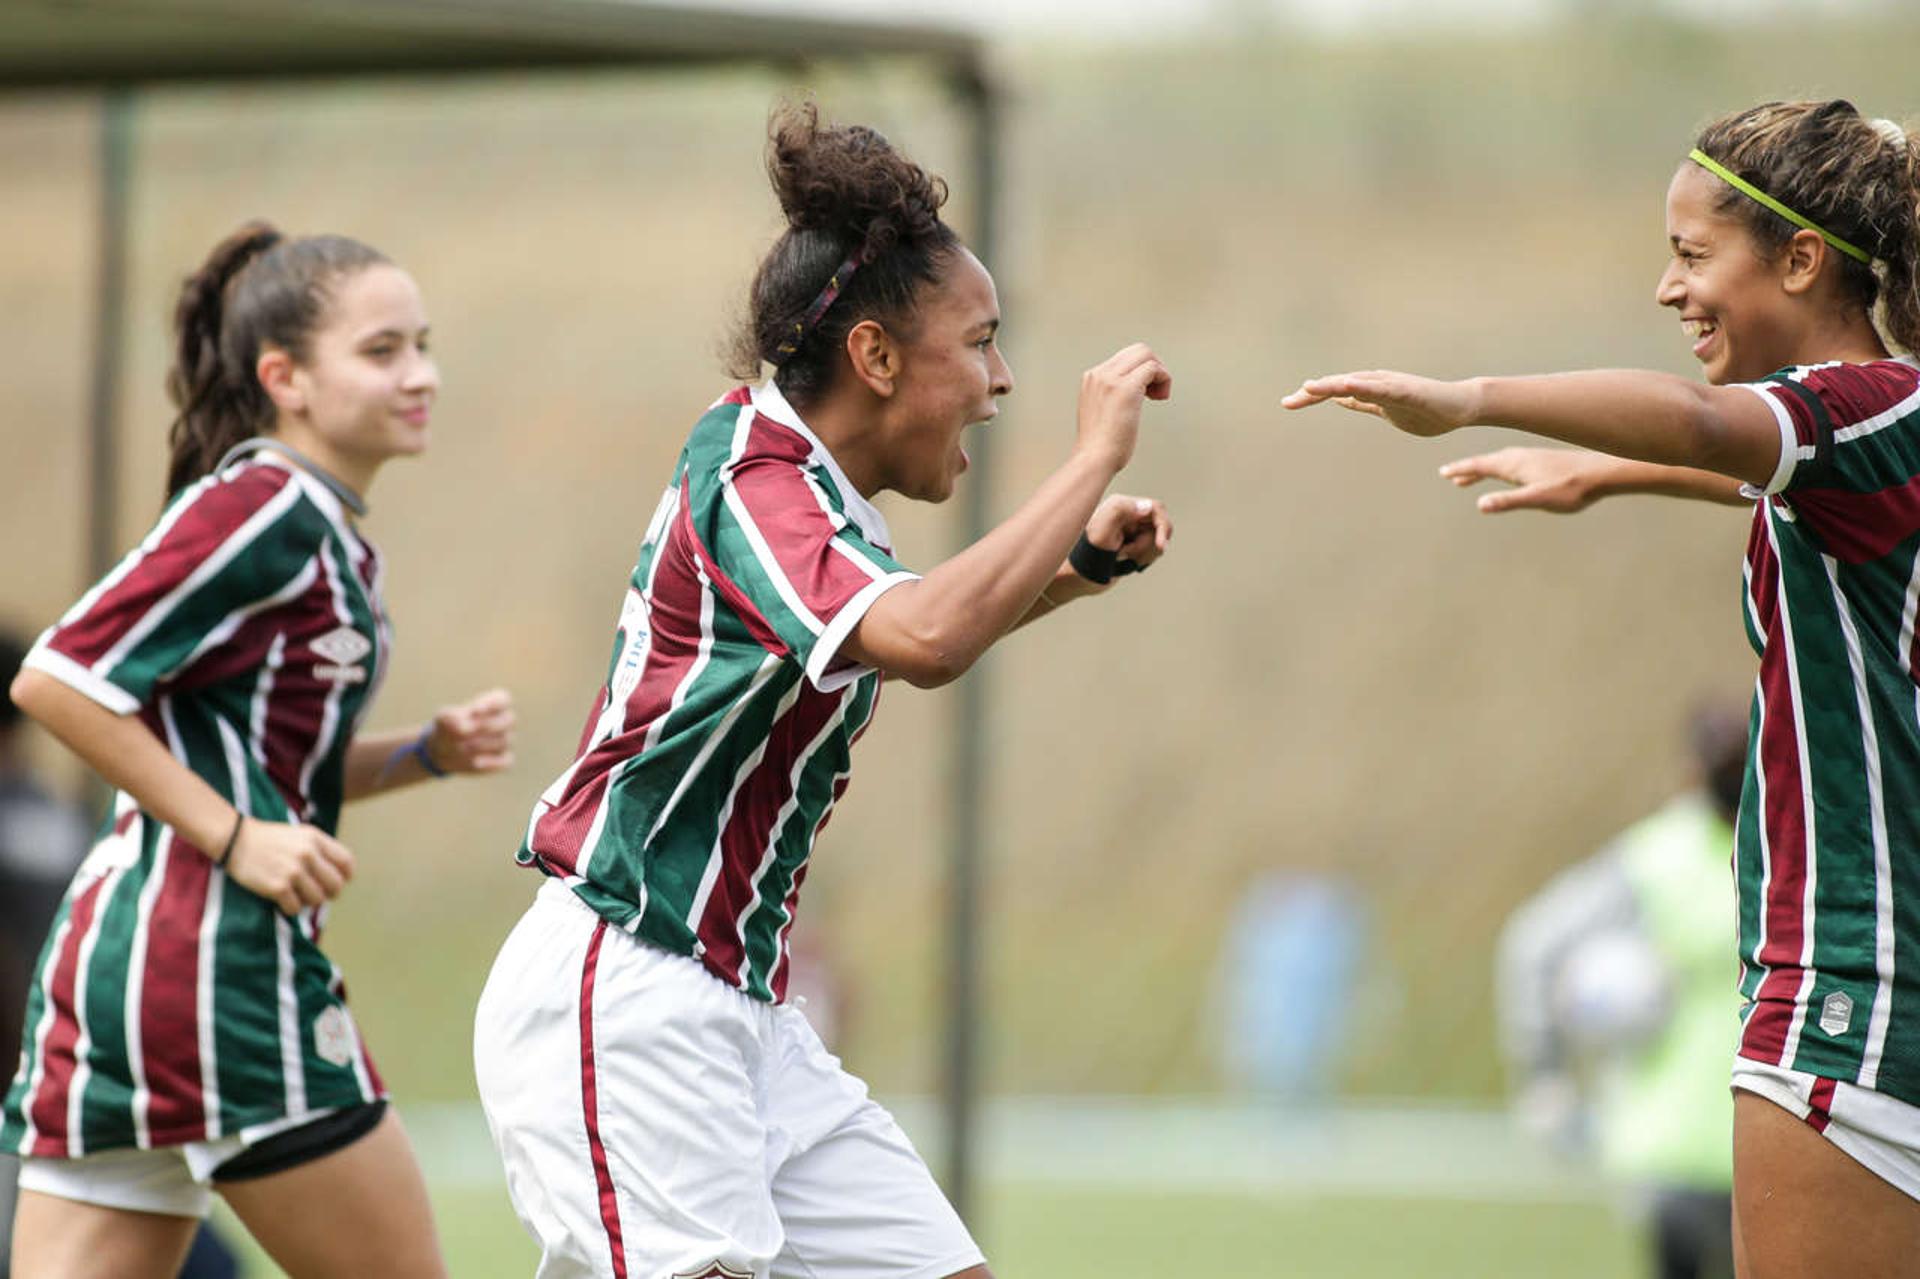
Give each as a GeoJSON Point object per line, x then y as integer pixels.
{"type": "Point", "coordinates": [772, 405]}
{"type": "Point", "coordinates": [335, 488]}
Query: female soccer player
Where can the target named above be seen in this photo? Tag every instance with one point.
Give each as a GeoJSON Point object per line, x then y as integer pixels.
{"type": "Point", "coordinates": [660, 1108]}
{"type": "Point", "coordinates": [185, 1031]}
{"type": "Point", "coordinates": [1790, 223]}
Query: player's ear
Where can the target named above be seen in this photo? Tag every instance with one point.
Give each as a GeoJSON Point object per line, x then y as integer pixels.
{"type": "Point", "coordinates": [280, 377]}
{"type": "Point", "coordinates": [875, 357]}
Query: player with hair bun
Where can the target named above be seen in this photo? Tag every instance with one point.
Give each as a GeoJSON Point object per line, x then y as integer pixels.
{"type": "Point", "coordinates": [660, 1108]}
{"type": "Point", "coordinates": [1793, 225]}
{"type": "Point", "coordinates": [185, 1033]}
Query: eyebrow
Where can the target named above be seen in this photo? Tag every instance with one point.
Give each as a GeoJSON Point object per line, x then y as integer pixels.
{"type": "Point", "coordinates": [391, 332]}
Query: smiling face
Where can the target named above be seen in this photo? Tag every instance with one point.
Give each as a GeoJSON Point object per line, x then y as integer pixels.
{"type": "Point", "coordinates": [364, 390]}
{"type": "Point", "coordinates": [951, 374]}
{"type": "Point", "coordinates": [1742, 320]}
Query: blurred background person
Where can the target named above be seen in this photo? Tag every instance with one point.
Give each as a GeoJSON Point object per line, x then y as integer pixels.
{"type": "Point", "coordinates": [1616, 1003]}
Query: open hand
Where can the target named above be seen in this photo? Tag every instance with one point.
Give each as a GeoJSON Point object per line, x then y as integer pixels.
{"type": "Point", "coordinates": [1557, 480]}
{"type": "Point", "coordinates": [1417, 405]}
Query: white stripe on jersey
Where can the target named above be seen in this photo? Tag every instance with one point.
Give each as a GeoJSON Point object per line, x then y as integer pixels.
{"type": "Point", "coordinates": [209, 950]}
{"type": "Point", "coordinates": [761, 675]}
{"type": "Point", "coordinates": [330, 712]}
{"type": "Point", "coordinates": [769, 562]}
{"type": "Point", "coordinates": [780, 820]}
{"type": "Point", "coordinates": [613, 716]}
{"type": "Point", "coordinates": [716, 858]}
{"type": "Point", "coordinates": [83, 1043]}
{"type": "Point", "coordinates": [131, 561]}
{"type": "Point", "coordinates": [293, 1066]}
{"type": "Point", "coordinates": [1801, 997]}
{"type": "Point", "coordinates": [239, 540]}
{"type": "Point", "coordinates": [1878, 422]}
{"type": "Point", "coordinates": [262, 696]}
{"type": "Point", "coordinates": [137, 986]}
{"type": "Point", "coordinates": [224, 630]}
{"type": "Point", "coordinates": [1882, 858]}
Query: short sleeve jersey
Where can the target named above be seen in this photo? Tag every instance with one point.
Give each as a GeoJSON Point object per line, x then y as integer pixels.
{"type": "Point", "coordinates": [722, 733]}
{"type": "Point", "coordinates": [1828, 842]}
{"type": "Point", "coordinates": [171, 1005]}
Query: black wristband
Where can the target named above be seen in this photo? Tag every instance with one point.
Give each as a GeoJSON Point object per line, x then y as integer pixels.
{"type": "Point", "coordinates": [1097, 564]}
{"type": "Point", "coordinates": [239, 820]}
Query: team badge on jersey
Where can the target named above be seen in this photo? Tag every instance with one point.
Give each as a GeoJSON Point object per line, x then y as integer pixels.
{"type": "Point", "coordinates": [718, 1270]}
{"type": "Point", "coordinates": [333, 1035]}
{"type": "Point", "coordinates": [343, 647]}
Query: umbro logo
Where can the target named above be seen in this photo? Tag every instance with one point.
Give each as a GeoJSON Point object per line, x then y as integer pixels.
{"type": "Point", "coordinates": [343, 647]}
{"type": "Point", "coordinates": [718, 1270]}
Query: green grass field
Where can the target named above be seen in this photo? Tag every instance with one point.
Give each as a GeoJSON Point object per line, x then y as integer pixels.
{"type": "Point", "coordinates": [1064, 1232]}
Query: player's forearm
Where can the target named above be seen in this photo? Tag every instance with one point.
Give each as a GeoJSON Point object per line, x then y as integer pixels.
{"type": "Point", "coordinates": [126, 753]}
{"type": "Point", "coordinates": [931, 631]}
{"type": "Point", "coordinates": [1631, 414]}
{"type": "Point", "coordinates": [381, 762]}
{"type": "Point", "coordinates": [1066, 587]}
{"type": "Point", "coordinates": [1623, 476]}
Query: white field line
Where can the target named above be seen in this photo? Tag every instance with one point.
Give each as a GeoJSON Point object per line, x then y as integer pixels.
{"type": "Point", "coordinates": [1410, 1150]}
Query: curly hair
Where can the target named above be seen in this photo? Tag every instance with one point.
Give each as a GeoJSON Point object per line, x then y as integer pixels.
{"type": "Point", "coordinates": [847, 194]}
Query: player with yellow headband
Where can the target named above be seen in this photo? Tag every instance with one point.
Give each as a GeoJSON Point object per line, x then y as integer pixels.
{"type": "Point", "coordinates": [1794, 249]}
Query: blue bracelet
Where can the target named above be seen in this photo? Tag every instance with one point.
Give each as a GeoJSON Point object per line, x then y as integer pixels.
{"type": "Point", "coordinates": [419, 751]}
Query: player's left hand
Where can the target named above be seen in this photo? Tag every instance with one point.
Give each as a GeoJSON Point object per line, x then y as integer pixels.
{"type": "Point", "coordinates": [1139, 528]}
{"type": "Point", "coordinates": [475, 736]}
{"type": "Point", "coordinates": [1417, 405]}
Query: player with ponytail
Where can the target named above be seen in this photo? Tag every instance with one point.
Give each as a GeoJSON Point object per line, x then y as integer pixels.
{"type": "Point", "coordinates": [1795, 255]}
{"type": "Point", "coordinates": [185, 1033]}
{"type": "Point", "coordinates": [660, 1107]}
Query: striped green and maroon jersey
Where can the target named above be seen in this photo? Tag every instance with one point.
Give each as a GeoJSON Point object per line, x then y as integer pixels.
{"type": "Point", "coordinates": [1827, 851]}
{"type": "Point", "coordinates": [170, 1004]}
{"type": "Point", "coordinates": [722, 734]}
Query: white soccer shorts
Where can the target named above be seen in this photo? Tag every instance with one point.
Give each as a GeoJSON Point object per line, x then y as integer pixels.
{"type": "Point", "coordinates": [656, 1122]}
{"type": "Point", "coordinates": [1879, 1132]}
{"type": "Point", "coordinates": [176, 1181]}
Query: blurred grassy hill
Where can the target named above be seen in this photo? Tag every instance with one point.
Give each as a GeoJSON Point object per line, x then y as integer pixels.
{"type": "Point", "coordinates": [1343, 669]}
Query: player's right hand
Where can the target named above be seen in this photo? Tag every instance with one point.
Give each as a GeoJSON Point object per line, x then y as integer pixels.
{"type": "Point", "coordinates": [1110, 396]}
{"type": "Point", "coordinates": [1557, 480]}
{"type": "Point", "coordinates": [1416, 405]}
{"type": "Point", "coordinates": [293, 867]}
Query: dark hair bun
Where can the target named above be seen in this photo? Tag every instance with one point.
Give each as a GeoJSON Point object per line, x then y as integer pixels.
{"type": "Point", "coordinates": [848, 182]}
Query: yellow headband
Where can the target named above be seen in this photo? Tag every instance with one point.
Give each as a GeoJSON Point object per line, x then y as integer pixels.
{"type": "Point", "coordinates": [1753, 192]}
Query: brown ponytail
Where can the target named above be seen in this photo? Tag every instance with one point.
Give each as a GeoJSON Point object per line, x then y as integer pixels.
{"type": "Point", "coordinates": [257, 288]}
{"type": "Point", "coordinates": [1858, 178]}
{"type": "Point", "coordinates": [847, 196]}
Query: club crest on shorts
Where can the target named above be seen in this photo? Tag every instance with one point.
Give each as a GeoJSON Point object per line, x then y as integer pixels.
{"type": "Point", "coordinates": [343, 647]}
{"type": "Point", "coordinates": [718, 1270]}
{"type": "Point", "coordinates": [333, 1036]}
{"type": "Point", "coordinates": [1836, 1013]}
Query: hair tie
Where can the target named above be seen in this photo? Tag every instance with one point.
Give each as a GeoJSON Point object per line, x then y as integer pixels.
{"type": "Point", "coordinates": [1755, 194]}
{"type": "Point", "coordinates": [1890, 130]}
{"type": "Point", "coordinates": [836, 284]}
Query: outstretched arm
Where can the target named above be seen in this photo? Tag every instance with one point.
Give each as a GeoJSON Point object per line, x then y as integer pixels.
{"type": "Point", "coordinates": [1641, 416]}
{"type": "Point", "coordinates": [1567, 480]}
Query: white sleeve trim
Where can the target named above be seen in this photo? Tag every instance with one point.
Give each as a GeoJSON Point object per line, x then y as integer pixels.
{"type": "Point", "coordinates": [81, 680]}
{"type": "Point", "coordinates": [1789, 447]}
{"type": "Point", "coordinates": [828, 645]}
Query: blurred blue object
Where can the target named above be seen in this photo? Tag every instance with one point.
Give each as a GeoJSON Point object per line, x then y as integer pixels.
{"type": "Point", "coordinates": [1289, 966]}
